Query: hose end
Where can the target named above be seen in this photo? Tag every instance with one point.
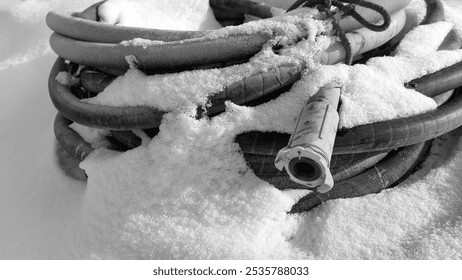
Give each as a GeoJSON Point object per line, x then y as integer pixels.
{"type": "Point", "coordinates": [306, 166]}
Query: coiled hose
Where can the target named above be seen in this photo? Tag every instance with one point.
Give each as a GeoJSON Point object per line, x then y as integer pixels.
{"type": "Point", "coordinates": [356, 150]}
{"type": "Point", "coordinates": [248, 89]}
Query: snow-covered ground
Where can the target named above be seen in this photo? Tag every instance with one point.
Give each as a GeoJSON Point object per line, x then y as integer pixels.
{"type": "Point", "coordinates": [191, 211]}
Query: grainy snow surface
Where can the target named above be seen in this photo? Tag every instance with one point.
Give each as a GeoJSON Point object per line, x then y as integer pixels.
{"type": "Point", "coordinates": [188, 15]}
{"type": "Point", "coordinates": [189, 192]}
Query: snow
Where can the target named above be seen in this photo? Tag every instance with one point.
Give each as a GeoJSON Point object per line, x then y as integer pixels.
{"type": "Point", "coordinates": [189, 15]}
{"type": "Point", "coordinates": [175, 198]}
{"type": "Point", "coordinates": [96, 137]}
{"type": "Point", "coordinates": [67, 79]}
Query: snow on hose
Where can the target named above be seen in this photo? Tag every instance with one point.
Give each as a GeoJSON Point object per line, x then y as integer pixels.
{"type": "Point", "coordinates": [383, 135]}
{"type": "Point", "coordinates": [259, 84]}
{"type": "Point", "coordinates": [70, 43]}
{"type": "Point", "coordinates": [171, 55]}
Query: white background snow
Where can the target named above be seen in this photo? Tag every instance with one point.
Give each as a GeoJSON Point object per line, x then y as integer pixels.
{"type": "Point", "coordinates": [45, 214]}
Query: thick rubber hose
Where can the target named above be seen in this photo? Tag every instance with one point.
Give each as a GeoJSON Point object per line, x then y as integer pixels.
{"type": "Point", "coordinates": [203, 51]}
{"type": "Point", "coordinates": [343, 172]}
{"type": "Point", "coordinates": [253, 8]}
{"type": "Point", "coordinates": [250, 88]}
{"type": "Point", "coordinates": [127, 138]}
{"type": "Point", "coordinates": [435, 11]}
{"type": "Point", "coordinates": [92, 31]}
{"type": "Point", "coordinates": [447, 79]}
{"type": "Point", "coordinates": [170, 55]}
{"type": "Point", "coordinates": [95, 81]}
{"type": "Point", "coordinates": [118, 118]}
{"type": "Point", "coordinates": [383, 175]}
{"type": "Point", "coordinates": [402, 132]}
{"type": "Point", "coordinates": [84, 26]}
{"type": "Point", "coordinates": [70, 140]}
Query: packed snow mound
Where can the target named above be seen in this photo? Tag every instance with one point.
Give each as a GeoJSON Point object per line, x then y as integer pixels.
{"type": "Point", "coordinates": [177, 192]}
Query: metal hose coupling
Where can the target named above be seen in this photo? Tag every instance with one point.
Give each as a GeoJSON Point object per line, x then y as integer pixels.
{"type": "Point", "coordinates": [307, 156]}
